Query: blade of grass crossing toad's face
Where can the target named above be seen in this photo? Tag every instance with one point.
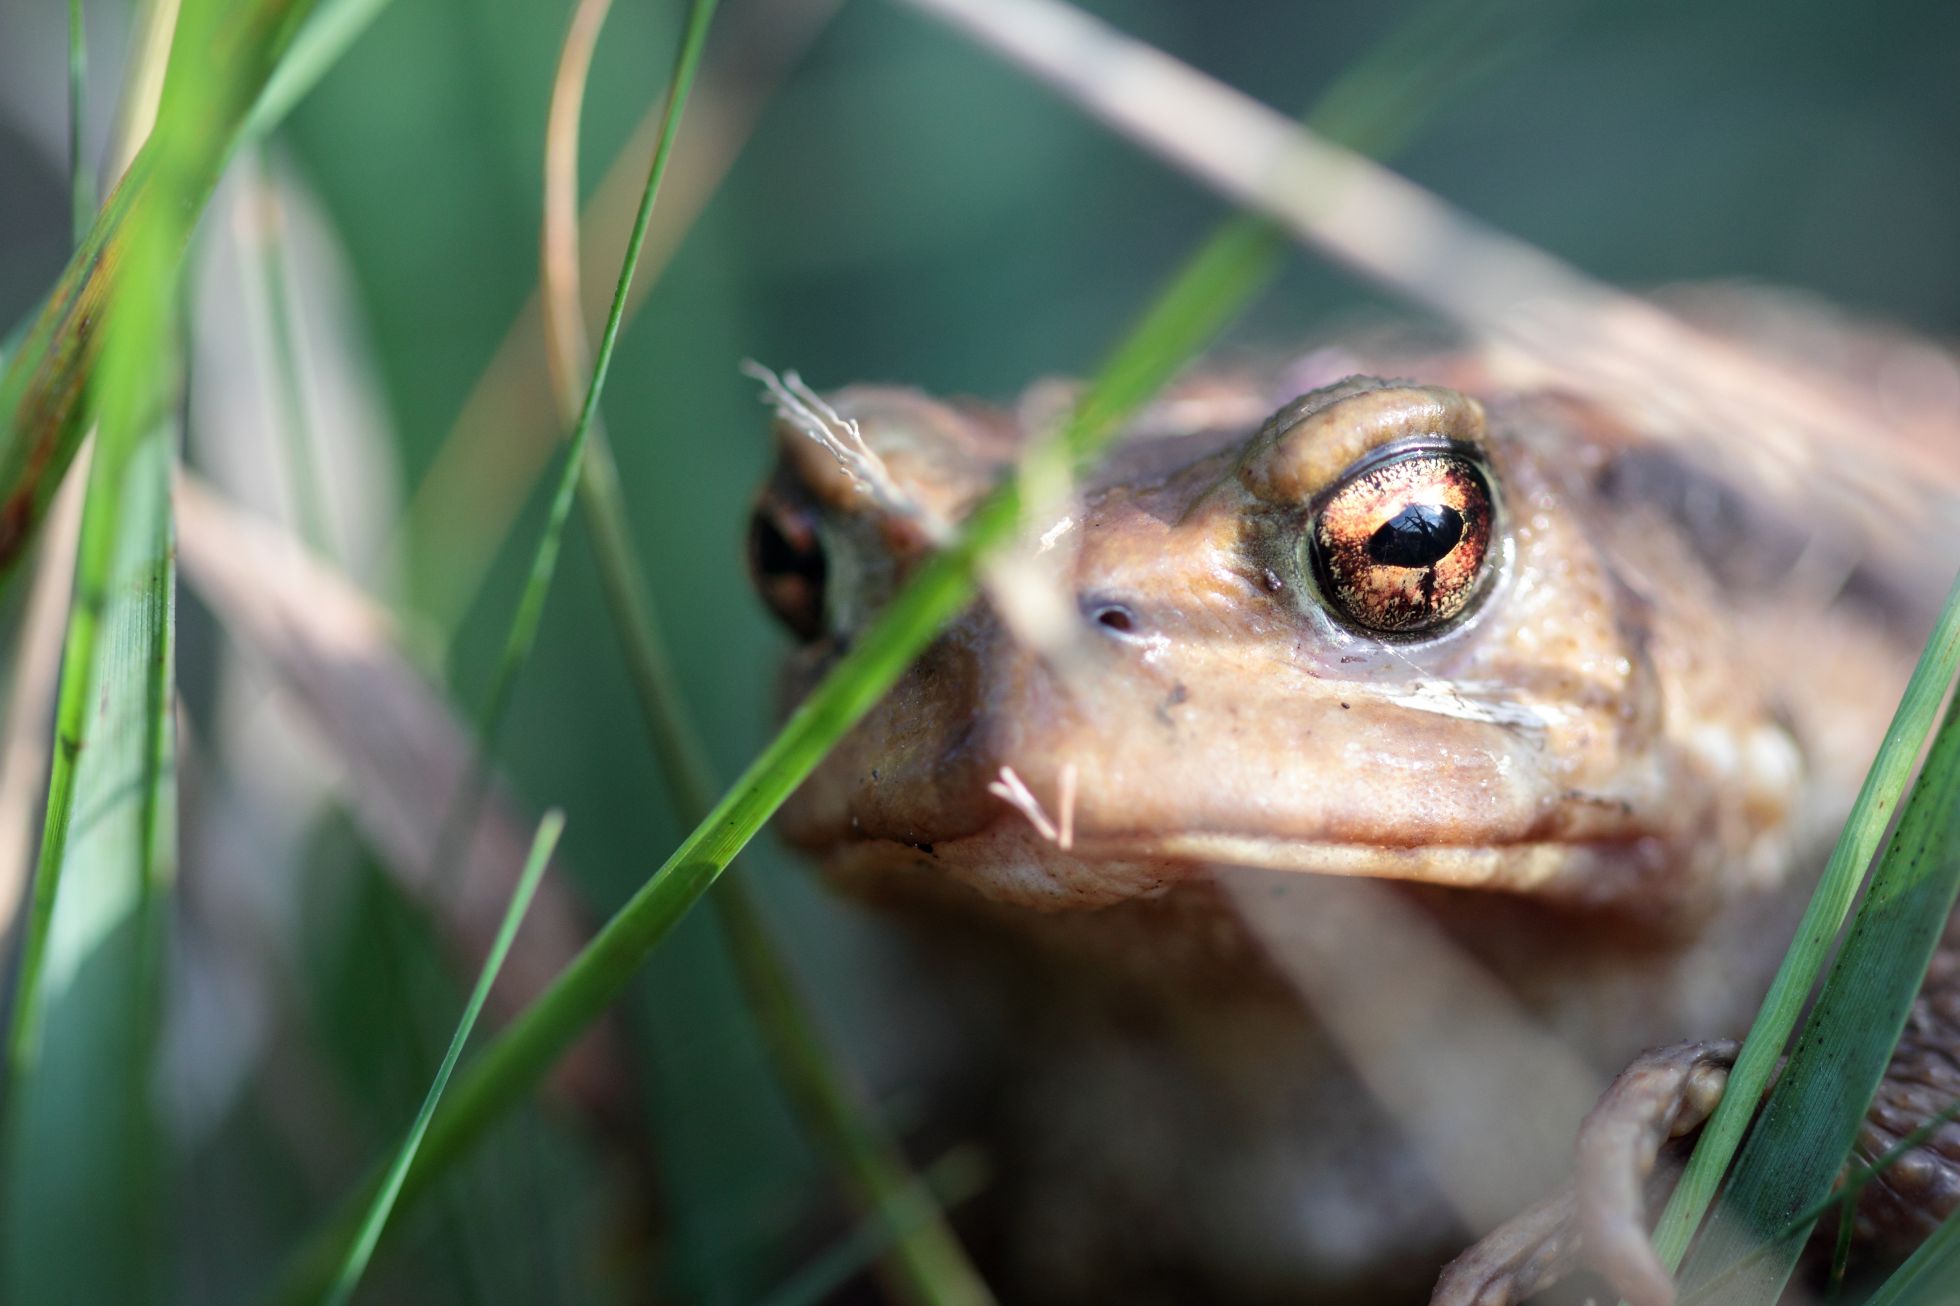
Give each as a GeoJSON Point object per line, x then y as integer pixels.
{"type": "Point", "coordinates": [1797, 1148]}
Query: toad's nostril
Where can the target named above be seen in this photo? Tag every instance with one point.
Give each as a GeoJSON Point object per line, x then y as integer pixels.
{"type": "Point", "coordinates": [1114, 617]}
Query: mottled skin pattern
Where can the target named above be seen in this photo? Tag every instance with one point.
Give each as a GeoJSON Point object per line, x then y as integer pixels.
{"type": "Point", "coordinates": [1910, 1198]}
{"type": "Point", "coordinates": [1608, 783]}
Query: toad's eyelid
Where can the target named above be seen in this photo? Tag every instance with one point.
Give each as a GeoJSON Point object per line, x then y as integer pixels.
{"type": "Point", "coordinates": [1402, 450]}
{"type": "Point", "coordinates": [1317, 441]}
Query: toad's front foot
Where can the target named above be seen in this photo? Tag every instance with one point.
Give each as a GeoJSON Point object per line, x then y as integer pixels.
{"type": "Point", "coordinates": [1601, 1224]}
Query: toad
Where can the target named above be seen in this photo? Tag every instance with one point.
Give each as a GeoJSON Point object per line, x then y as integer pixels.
{"type": "Point", "coordinates": [1352, 774]}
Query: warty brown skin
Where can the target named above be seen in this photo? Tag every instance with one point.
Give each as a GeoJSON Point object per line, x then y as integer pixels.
{"type": "Point", "coordinates": [1608, 782]}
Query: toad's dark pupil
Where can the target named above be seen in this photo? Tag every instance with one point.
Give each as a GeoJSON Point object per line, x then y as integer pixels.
{"type": "Point", "coordinates": [1421, 535]}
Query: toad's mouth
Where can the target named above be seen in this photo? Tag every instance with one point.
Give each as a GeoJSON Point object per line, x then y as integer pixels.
{"type": "Point", "coordinates": [1011, 863]}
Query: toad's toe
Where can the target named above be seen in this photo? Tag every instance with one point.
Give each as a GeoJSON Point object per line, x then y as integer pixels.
{"type": "Point", "coordinates": [1515, 1260]}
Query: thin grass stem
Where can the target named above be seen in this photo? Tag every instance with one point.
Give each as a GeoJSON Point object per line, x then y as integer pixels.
{"type": "Point", "coordinates": [945, 1184]}
{"type": "Point", "coordinates": [334, 26]}
{"type": "Point", "coordinates": [81, 187]}
{"type": "Point", "coordinates": [383, 1205]}
{"type": "Point", "coordinates": [922, 1260]}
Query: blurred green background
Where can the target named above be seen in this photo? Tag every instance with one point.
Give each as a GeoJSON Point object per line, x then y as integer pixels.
{"type": "Point", "coordinates": [907, 210]}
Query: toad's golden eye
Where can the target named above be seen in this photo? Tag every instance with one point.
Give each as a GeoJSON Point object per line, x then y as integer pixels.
{"type": "Point", "coordinates": [1401, 546]}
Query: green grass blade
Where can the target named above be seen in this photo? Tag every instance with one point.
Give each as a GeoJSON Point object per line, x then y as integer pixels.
{"type": "Point", "coordinates": [81, 188]}
{"type": "Point", "coordinates": [1844, 1195]}
{"type": "Point", "coordinates": [1794, 1154]}
{"type": "Point", "coordinates": [79, 1222]}
{"type": "Point", "coordinates": [948, 1182]}
{"type": "Point", "coordinates": [333, 28]}
{"type": "Point", "coordinates": [221, 57]}
{"type": "Point", "coordinates": [1797, 976]}
{"type": "Point", "coordinates": [383, 1204]}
